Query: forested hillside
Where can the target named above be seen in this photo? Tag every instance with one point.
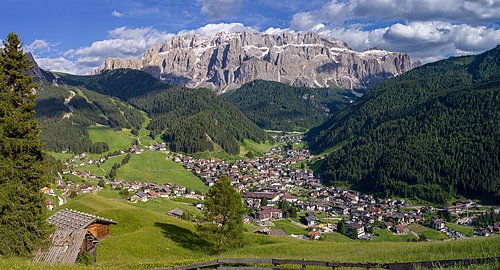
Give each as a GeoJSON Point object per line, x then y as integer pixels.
{"type": "Point", "coordinates": [65, 112]}
{"type": "Point", "coordinates": [431, 133]}
{"type": "Point", "coordinates": [190, 120]}
{"type": "Point", "coordinates": [278, 106]}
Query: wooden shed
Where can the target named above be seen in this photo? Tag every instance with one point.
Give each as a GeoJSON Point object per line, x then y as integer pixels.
{"type": "Point", "coordinates": [76, 232]}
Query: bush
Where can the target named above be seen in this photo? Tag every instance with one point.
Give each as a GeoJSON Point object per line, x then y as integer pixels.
{"type": "Point", "coordinates": [85, 258]}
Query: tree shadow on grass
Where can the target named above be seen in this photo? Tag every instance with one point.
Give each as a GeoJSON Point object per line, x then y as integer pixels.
{"type": "Point", "coordinates": [183, 237]}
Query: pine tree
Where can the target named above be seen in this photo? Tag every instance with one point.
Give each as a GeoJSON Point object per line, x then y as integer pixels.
{"type": "Point", "coordinates": [22, 224]}
{"type": "Point", "coordinates": [222, 223]}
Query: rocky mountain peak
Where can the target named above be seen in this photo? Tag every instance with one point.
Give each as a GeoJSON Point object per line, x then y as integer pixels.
{"type": "Point", "coordinates": [229, 60]}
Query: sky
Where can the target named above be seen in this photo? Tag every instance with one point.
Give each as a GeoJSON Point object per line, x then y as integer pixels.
{"type": "Point", "coordinates": [75, 36]}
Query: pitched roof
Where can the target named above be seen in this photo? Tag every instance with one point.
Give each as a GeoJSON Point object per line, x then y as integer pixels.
{"type": "Point", "coordinates": [176, 212]}
{"type": "Point", "coordinates": [65, 247]}
{"type": "Point", "coordinates": [279, 232]}
{"type": "Point", "coordinates": [68, 219]}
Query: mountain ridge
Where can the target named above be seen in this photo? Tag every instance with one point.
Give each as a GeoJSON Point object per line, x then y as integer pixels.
{"type": "Point", "coordinates": [229, 60]}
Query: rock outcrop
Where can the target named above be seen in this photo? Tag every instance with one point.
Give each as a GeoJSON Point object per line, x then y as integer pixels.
{"type": "Point", "coordinates": [229, 60]}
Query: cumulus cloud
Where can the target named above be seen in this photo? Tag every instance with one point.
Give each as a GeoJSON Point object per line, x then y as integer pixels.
{"type": "Point", "coordinates": [212, 29]}
{"type": "Point", "coordinates": [40, 46]}
{"type": "Point", "coordinates": [427, 29]}
{"type": "Point", "coordinates": [220, 9]}
{"type": "Point", "coordinates": [121, 42]}
{"type": "Point", "coordinates": [61, 64]}
{"type": "Point", "coordinates": [117, 14]}
{"type": "Point", "coordinates": [277, 31]}
{"type": "Point", "coordinates": [125, 42]}
{"type": "Point", "coordinates": [336, 12]}
{"type": "Point", "coordinates": [426, 41]}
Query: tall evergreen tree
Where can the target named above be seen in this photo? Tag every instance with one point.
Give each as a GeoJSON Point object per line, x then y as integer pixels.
{"type": "Point", "coordinates": [22, 224]}
{"type": "Point", "coordinates": [222, 224]}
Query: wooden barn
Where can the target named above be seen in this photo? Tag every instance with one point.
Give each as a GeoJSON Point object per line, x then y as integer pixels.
{"type": "Point", "coordinates": [76, 232]}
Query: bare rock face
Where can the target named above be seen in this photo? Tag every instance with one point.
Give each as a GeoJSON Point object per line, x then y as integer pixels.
{"type": "Point", "coordinates": [230, 60]}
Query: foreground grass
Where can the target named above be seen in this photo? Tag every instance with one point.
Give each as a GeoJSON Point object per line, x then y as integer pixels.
{"type": "Point", "coordinates": [147, 238]}
{"type": "Point", "coordinates": [154, 167]}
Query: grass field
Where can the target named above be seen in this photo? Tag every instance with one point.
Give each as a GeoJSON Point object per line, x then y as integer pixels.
{"type": "Point", "coordinates": [154, 167]}
{"type": "Point", "coordinates": [117, 140]}
{"type": "Point", "coordinates": [426, 232]}
{"type": "Point", "coordinates": [288, 227]}
{"type": "Point", "coordinates": [146, 238]}
{"type": "Point", "coordinates": [384, 235]}
{"type": "Point", "coordinates": [335, 237]}
{"type": "Point", "coordinates": [465, 230]}
{"type": "Point", "coordinates": [61, 156]}
{"type": "Point", "coordinates": [102, 169]}
{"type": "Point", "coordinates": [256, 148]}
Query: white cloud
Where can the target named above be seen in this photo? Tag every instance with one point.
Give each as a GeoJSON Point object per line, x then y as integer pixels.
{"type": "Point", "coordinates": [117, 14]}
{"type": "Point", "coordinates": [220, 9]}
{"type": "Point", "coordinates": [426, 41]}
{"type": "Point", "coordinates": [212, 29]}
{"type": "Point", "coordinates": [62, 64]}
{"type": "Point", "coordinates": [336, 12]}
{"type": "Point", "coordinates": [40, 46]}
{"type": "Point", "coordinates": [123, 42]}
{"type": "Point", "coordinates": [427, 29]}
{"type": "Point", "coordinates": [277, 31]}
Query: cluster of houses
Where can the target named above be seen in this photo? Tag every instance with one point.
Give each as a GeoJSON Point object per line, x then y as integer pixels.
{"type": "Point", "coordinates": [279, 175]}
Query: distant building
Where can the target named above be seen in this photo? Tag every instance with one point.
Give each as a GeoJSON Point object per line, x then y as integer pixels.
{"type": "Point", "coordinates": [177, 212]}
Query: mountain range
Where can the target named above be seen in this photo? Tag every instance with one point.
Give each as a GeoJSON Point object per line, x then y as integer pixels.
{"type": "Point", "coordinates": [229, 60]}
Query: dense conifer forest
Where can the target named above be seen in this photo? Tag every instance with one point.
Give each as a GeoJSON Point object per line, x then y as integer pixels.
{"type": "Point", "coordinates": [432, 133]}
{"type": "Point", "coordinates": [278, 106]}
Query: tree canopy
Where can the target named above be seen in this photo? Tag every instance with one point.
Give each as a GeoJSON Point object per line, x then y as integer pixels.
{"type": "Point", "coordinates": [22, 173]}
{"type": "Point", "coordinates": [222, 222]}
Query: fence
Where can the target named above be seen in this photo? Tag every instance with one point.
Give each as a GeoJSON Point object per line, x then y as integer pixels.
{"type": "Point", "coordinates": [274, 264]}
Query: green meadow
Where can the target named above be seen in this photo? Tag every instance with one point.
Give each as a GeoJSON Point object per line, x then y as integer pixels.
{"type": "Point", "coordinates": [154, 167]}
{"type": "Point", "coordinates": [254, 147]}
{"type": "Point", "coordinates": [117, 140]}
{"type": "Point", "coordinates": [147, 238]}
{"type": "Point", "coordinates": [426, 232]}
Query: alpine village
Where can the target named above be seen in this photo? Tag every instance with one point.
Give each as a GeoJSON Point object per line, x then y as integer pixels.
{"type": "Point", "coordinates": [250, 135]}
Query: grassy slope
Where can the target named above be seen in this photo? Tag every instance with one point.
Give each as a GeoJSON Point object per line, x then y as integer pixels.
{"type": "Point", "coordinates": [117, 140]}
{"type": "Point", "coordinates": [152, 166]}
{"type": "Point", "coordinates": [288, 227]}
{"type": "Point", "coordinates": [426, 231]}
{"type": "Point", "coordinates": [386, 235]}
{"type": "Point", "coordinates": [465, 230]}
{"type": "Point", "coordinates": [102, 169]}
{"type": "Point", "coordinates": [147, 238]}
{"type": "Point", "coordinates": [256, 148]}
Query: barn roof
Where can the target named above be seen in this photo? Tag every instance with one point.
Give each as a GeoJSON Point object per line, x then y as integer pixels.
{"type": "Point", "coordinates": [68, 219]}
{"type": "Point", "coordinates": [64, 248]}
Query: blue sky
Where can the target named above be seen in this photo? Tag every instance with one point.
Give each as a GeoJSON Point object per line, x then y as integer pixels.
{"type": "Point", "coordinates": [76, 36]}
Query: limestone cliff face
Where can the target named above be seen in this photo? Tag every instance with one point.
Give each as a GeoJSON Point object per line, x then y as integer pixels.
{"type": "Point", "coordinates": [228, 60]}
